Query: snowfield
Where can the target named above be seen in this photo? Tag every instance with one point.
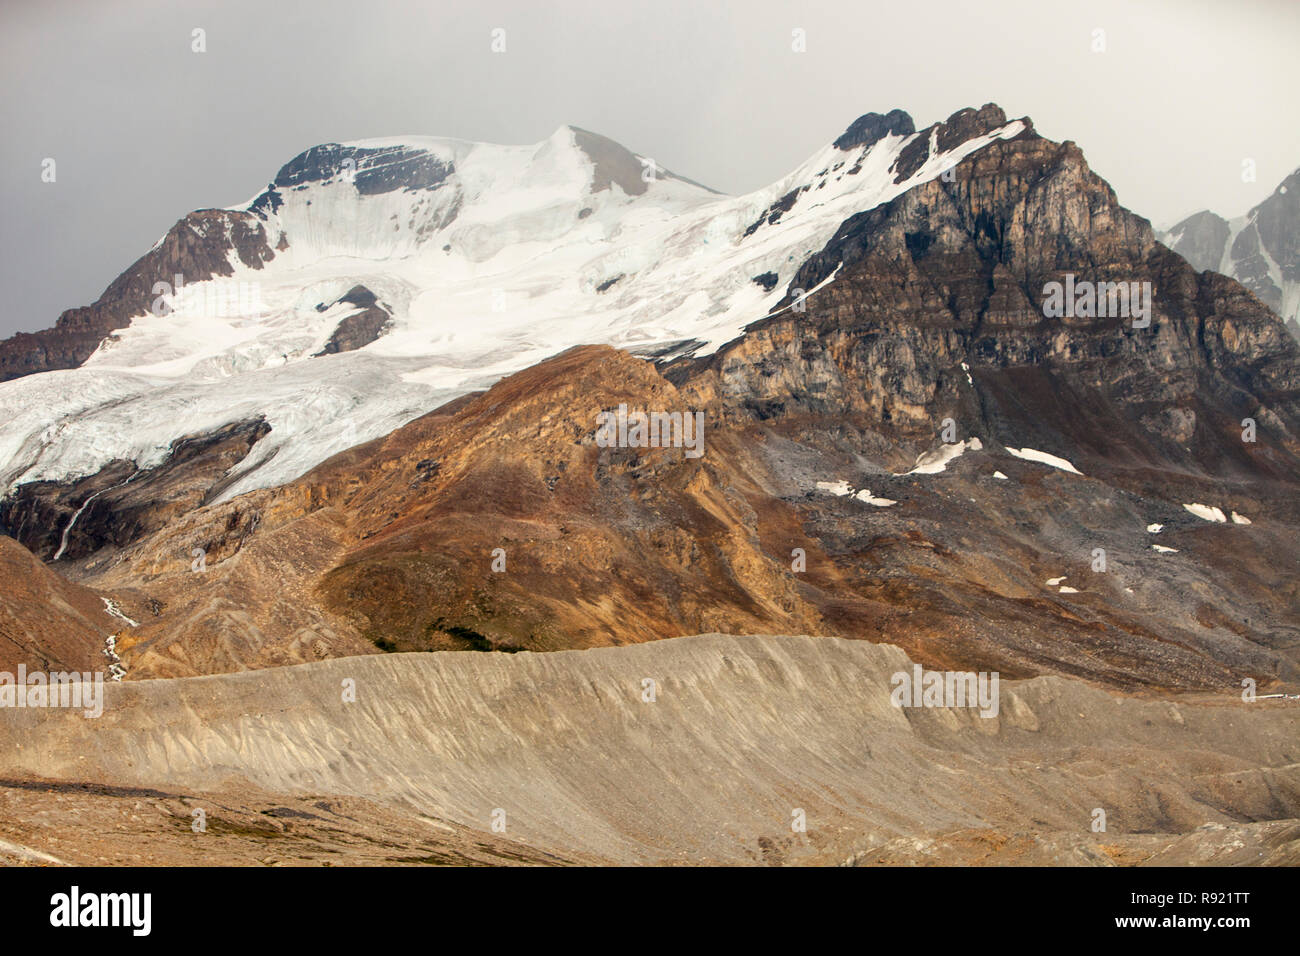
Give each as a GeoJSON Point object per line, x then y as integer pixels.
{"type": "Point", "coordinates": [936, 461]}
{"type": "Point", "coordinates": [1043, 458]}
{"type": "Point", "coordinates": [1207, 512]}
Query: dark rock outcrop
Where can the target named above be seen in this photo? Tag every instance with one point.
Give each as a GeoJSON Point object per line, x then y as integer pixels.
{"type": "Point", "coordinates": [960, 127]}
{"type": "Point", "coordinates": [361, 327]}
{"type": "Point", "coordinates": [373, 170]}
{"type": "Point", "coordinates": [871, 128]}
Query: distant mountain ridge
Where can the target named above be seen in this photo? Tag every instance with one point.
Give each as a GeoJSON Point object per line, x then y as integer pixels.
{"type": "Point", "coordinates": [1261, 249]}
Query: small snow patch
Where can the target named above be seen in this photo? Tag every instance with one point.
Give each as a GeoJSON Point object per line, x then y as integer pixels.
{"type": "Point", "coordinates": [1043, 458]}
{"type": "Point", "coordinates": [1239, 519]}
{"type": "Point", "coordinates": [1068, 591]}
{"type": "Point", "coordinates": [1163, 550]}
{"type": "Point", "coordinates": [933, 462]}
{"type": "Point", "coordinates": [834, 487]}
{"type": "Point", "coordinates": [1155, 528]}
{"type": "Point", "coordinates": [1053, 582]}
{"type": "Point", "coordinates": [998, 474]}
{"type": "Point", "coordinates": [1206, 512]}
{"type": "Point", "coordinates": [866, 496]}
{"type": "Point", "coordinates": [842, 488]}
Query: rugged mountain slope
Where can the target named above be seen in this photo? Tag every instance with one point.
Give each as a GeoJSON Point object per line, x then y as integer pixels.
{"type": "Point", "coordinates": [937, 310]}
{"type": "Point", "coordinates": [1261, 249]}
{"type": "Point", "coordinates": [47, 623]}
{"type": "Point", "coordinates": [877, 462]}
{"type": "Point", "coordinates": [565, 750]}
{"type": "Point", "coordinates": [394, 545]}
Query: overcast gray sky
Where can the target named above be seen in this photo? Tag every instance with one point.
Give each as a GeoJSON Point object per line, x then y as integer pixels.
{"type": "Point", "coordinates": [144, 130]}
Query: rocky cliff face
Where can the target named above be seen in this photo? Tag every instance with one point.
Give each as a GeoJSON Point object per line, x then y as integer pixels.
{"type": "Point", "coordinates": [1261, 249]}
{"type": "Point", "coordinates": [372, 171]}
{"type": "Point", "coordinates": [937, 309]}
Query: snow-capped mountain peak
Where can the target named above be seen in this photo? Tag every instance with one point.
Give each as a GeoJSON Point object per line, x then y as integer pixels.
{"type": "Point", "coordinates": [381, 198]}
{"type": "Point", "coordinates": [373, 280]}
